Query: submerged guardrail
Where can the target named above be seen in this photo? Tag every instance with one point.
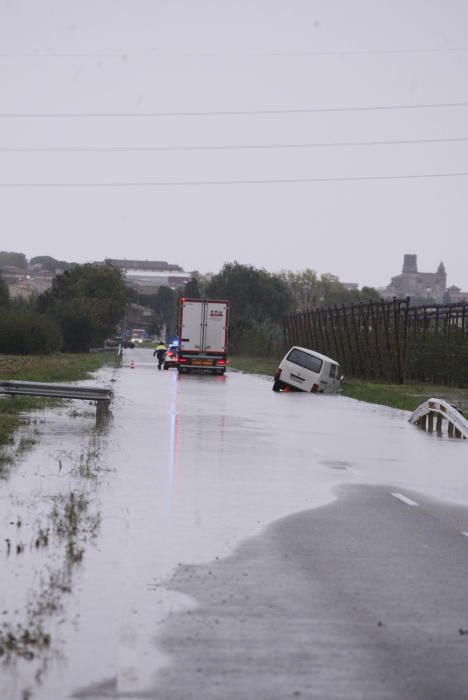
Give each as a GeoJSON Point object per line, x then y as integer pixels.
{"type": "Point", "coordinates": [60, 391]}
{"type": "Point", "coordinates": [440, 410]}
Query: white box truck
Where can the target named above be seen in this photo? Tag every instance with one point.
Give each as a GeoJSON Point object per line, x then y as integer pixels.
{"type": "Point", "coordinates": [203, 332]}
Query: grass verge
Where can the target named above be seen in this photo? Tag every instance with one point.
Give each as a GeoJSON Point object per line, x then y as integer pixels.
{"type": "Point", "coordinates": [54, 368]}
{"type": "Point", "coordinates": [254, 365]}
{"type": "Point", "coordinates": [50, 368]}
{"type": "Point", "coordinates": [405, 396]}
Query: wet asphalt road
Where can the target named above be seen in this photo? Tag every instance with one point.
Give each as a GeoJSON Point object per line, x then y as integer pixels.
{"type": "Point", "coordinates": [364, 598]}
{"type": "Point", "coordinates": [245, 544]}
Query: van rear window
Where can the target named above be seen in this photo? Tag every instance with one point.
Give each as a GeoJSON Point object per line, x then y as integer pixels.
{"type": "Point", "coordinates": [303, 359]}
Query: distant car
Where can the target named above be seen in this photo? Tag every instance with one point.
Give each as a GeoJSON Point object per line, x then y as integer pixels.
{"type": "Point", "coordinates": [138, 336]}
{"type": "Point", "coordinates": [302, 369]}
{"type": "Point", "coordinates": [116, 340]}
{"type": "Point", "coordinates": [171, 358]}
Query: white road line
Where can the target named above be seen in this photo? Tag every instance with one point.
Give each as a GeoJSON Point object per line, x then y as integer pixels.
{"type": "Point", "coordinates": [465, 534]}
{"type": "Point", "coordinates": [402, 498]}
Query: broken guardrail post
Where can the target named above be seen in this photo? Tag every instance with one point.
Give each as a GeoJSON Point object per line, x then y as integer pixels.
{"type": "Point", "coordinates": [424, 415]}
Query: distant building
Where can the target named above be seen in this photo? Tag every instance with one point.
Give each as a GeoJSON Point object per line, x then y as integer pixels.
{"type": "Point", "coordinates": [146, 276]}
{"type": "Point", "coordinates": [29, 286]}
{"type": "Point", "coordinates": [412, 283]}
{"type": "Point", "coordinates": [26, 282]}
{"type": "Point", "coordinates": [455, 295]}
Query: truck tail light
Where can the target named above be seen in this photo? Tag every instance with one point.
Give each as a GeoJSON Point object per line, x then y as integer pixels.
{"type": "Point", "coordinates": [182, 359]}
{"type": "Point", "coordinates": [315, 388]}
{"type": "Point", "coordinates": [220, 362]}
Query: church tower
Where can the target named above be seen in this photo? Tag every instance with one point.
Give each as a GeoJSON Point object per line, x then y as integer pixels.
{"type": "Point", "coordinates": [410, 263]}
{"type": "Point", "coordinates": [420, 285]}
{"type": "Point", "coordinates": [442, 278]}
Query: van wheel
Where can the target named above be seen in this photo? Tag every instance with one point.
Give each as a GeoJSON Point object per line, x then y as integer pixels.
{"type": "Point", "coordinates": [277, 385]}
{"type": "Point", "coordinates": [165, 366]}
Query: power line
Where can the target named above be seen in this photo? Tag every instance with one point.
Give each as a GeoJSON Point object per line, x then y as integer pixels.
{"type": "Point", "coordinates": [210, 183]}
{"type": "Point", "coordinates": [124, 54]}
{"type": "Point", "coordinates": [235, 147]}
{"type": "Point", "coordinates": [226, 113]}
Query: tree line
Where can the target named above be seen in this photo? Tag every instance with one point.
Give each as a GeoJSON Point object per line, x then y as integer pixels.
{"type": "Point", "coordinates": [81, 309]}
{"type": "Point", "coordinates": [86, 304]}
{"type": "Point", "coordinates": [258, 300]}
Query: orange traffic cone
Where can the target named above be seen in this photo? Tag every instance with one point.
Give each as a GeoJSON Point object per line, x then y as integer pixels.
{"type": "Point", "coordinates": [132, 364]}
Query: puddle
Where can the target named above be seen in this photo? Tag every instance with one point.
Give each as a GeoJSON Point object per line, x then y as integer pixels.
{"type": "Point", "coordinates": [51, 518]}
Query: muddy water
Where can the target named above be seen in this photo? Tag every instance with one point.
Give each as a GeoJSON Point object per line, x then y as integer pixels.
{"type": "Point", "coordinates": [95, 518]}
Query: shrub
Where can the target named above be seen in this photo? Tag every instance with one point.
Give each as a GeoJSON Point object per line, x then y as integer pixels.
{"type": "Point", "coordinates": [28, 334]}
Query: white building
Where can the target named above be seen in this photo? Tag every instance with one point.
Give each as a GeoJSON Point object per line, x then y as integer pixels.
{"type": "Point", "coordinates": [148, 275]}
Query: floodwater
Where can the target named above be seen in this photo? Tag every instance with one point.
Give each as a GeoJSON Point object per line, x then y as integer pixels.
{"type": "Point", "coordinates": [94, 519]}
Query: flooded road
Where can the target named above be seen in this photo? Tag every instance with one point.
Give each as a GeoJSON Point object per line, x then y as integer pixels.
{"type": "Point", "coordinates": [96, 519]}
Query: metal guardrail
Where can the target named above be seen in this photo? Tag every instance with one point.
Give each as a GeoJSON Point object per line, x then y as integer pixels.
{"type": "Point", "coordinates": [440, 410]}
{"type": "Point", "coordinates": [59, 391]}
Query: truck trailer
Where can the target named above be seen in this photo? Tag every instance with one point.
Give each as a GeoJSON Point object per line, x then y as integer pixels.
{"type": "Point", "coordinates": [203, 333]}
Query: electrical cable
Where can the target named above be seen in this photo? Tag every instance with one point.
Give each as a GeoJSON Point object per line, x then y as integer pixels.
{"type": "Point", "coordinates": [215, 183]}
{"type": "Point", "coordinates": [238, 147]}
{"type": "Point", "coordinates": [228, 113]}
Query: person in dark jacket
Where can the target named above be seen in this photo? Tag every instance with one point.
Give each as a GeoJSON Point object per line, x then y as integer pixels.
{"type": "Point", "coordinates": [160, 352]}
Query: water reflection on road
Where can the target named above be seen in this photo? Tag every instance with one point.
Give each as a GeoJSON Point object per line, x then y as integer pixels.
{"type": "Point", "coordinates": [187, 468]}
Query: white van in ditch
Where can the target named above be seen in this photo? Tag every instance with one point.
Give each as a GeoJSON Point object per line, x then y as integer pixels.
{"type": "Point", "coordinates": [305, 370]}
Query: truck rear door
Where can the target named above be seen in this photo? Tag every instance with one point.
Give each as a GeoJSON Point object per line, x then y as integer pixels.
{"type": "Point", "coordinates": [191, 331]}
{"type": "Point", "coordinates": [215, 326]}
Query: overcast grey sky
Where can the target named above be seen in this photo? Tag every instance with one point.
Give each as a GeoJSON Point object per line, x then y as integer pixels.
{"type": "Point", "coordinates": [262, 96]}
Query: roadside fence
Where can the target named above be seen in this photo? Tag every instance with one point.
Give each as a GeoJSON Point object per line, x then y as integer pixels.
{"type": "Point", "coordinates": [388, 340]}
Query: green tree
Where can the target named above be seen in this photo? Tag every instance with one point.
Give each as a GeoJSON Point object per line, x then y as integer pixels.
{"type": "Point", "coordinates": [332, 291]}
{"type": "Point", "coordinates": [370, 294]}
{"type": "Point", "coordinates": [164, 304]}
{"type": "Point", "coordinates": [254, 294]}
{"type": "Point", "coordinates": [167, 307]}
{"type": "Point", "coordinates": [304, 288]}
{"type": "Point", "coordinates": [258, 301]}
{"type": "Point", "coordinates": [27, 333]}
{"type": "Point", "coordinates": [50, 264]}
{"type": "Point", "coordinates": [310, 291]}
{"type": "Point", "coordinates": [88, 302]}
{"type": "Point", "coordinates": [4, 293]}
{"type": "Point", "coordinates": [192, 289]}
{"type": "Point", "coordinates": [13, 260]}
